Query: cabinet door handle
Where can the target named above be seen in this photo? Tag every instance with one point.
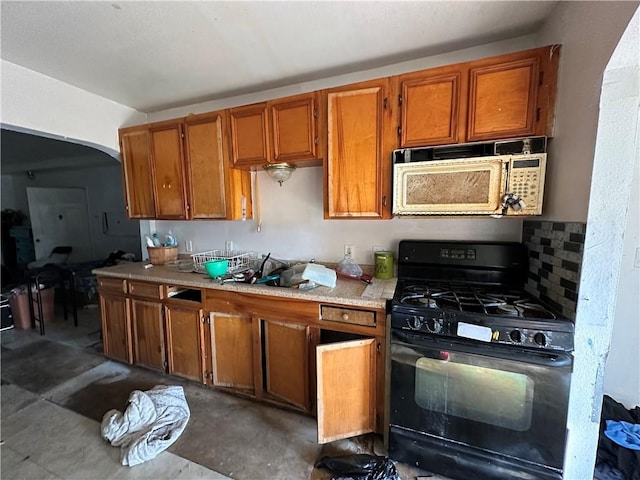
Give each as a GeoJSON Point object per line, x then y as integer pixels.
{"type": "Point", "coordinates": [124, 286]}
{"type": "Point", "coordinates": [378, 348]}
{"type": "Point", "coordinates": [345, 317]}
{"type": "Point", "coordinates": [384, 201]}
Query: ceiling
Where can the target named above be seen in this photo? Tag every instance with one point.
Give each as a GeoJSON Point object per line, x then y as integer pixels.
{"type": "Point", "coordinates": [152, 55]}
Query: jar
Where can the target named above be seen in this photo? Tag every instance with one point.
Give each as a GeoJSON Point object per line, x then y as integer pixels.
{"type": "Point", "coordinates": [383, 265]}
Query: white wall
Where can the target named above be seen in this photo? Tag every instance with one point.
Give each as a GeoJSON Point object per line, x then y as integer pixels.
{"type": "Point", "coordinates": [620, 382]}
{"type": "Point", "coordinates": [588, 33]}
{"type": "Point", "coordinates": [36, 102]}
{"type": "Point", "coordinates": [617, 145]}
{"type": "Point", "coordinates": [622, 375]}
{"type": "Point", "coordinates": [104, 194]}
{"type": "Point", "coordinates": [293, 226]}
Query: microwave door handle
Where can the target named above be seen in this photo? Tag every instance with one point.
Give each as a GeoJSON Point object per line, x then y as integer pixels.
{"type": "Point", "coordinates": [505, 187]}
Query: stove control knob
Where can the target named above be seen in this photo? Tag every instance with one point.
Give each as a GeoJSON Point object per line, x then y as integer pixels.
{"type": "Point", "coordinates": [540, 339]}
{"type": "Point", "coordinates": [416, 323]}
{"type": "Point", "coordinates": [433, 325]}
{"type": "Point", "coordinates": [516, 336]}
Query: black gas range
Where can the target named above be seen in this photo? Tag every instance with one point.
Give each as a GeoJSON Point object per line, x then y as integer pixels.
{"type": "Point", "coordinates": [480, 369]}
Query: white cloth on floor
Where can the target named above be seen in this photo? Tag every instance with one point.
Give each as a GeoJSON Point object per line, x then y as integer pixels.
{"type": "Point", "coordinates": [151, 423]}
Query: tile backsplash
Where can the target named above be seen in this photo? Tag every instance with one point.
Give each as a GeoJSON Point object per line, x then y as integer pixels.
{"type": "Point", "coordinates": [555, 258]}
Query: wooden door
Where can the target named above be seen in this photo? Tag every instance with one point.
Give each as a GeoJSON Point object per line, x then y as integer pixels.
{"type": "Point", "coordinates": [357, 171]}
{"type": "Point", "coordinates": [286, 352]}
{"type": "Point", "coordinates": [346, 376]}
{"type": "Point", "coordinates": [185, 355]}
{"type": "Point", "coordinates": [135, 152]}
{"type": "Point", "coordinates": [294, 128]}
{"type": "Point", "coordinates": [169, 178]}
{"type": "Point", "coordinates": [116, 327]}
{"type": "Point", "coordinates": [230, 351]}
{"type": "Point", "coordinates": [250, 136]}
{"type": "Point", "coordinates": [148, 334]}
{"type": "Point", "coordinates": [503, 96]}
{"type": "Point", "coordinates": [432, 109]}
{"type": "Point", "coordinates": [206, 156]}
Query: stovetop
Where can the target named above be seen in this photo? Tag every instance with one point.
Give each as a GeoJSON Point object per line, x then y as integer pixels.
{"type": "Point", "coordinates": [489, 300]}
{"type": "Point", "coordinates": [473, 291]}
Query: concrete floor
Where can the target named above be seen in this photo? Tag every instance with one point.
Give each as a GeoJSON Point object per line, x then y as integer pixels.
{"type": "Point", "coordinates": [56, 388]}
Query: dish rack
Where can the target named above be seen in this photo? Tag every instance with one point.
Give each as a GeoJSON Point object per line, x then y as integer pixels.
{"type": "Point", "coordinates": [237, 260]}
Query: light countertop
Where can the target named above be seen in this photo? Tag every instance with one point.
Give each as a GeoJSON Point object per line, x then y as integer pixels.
{"type": "Point", "coordinates": [346, 291]}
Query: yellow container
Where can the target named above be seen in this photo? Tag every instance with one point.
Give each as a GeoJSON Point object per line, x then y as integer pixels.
{"type": "Point", "coordinates": [383, 265]}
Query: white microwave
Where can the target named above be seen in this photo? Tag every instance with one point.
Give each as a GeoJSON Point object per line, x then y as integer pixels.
{"type": "Point", "coordinates": [491, 185]}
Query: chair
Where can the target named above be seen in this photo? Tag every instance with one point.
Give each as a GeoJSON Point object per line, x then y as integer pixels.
{"type": "Point", "coordinates": [58, 256]}
{"type": "Point", "coordinates": [51, 272]}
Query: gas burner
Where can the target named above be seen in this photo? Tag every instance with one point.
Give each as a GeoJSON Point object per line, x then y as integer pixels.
{"type": "Point", "coordinates": [524, 308]}
{"type": "Point", "coordinates": [482, 299]}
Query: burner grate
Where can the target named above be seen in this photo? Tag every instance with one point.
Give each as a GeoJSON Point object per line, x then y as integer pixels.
{"type": "Point", "coordinates": [478, 299]}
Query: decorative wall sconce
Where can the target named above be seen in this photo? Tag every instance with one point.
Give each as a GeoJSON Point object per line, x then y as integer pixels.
{"type": "Point", "coordinates": [280, 172]}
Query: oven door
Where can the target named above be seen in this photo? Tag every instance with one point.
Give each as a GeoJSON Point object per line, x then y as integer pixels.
{"type": "Point", "coordinates": [502, 401]}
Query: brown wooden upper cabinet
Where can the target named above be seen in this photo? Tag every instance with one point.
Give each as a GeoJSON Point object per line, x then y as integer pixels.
{"type": "Point", "coordinates": [216, 190]}
{"type": "Point", "coordinates": [281, 130]}
{"type": "Point", "coordinates": [506, 96]}
{"type": "Point", "coordinates": [432, 106]}
{"type": "Point", "coordinates": [360, 137]}
{"type": "Point", "coordinates": [250, 136]}
{"type": "Point", "coordinates": [169, 172]}
{"type": "Point", "coordinates": [294, 129]}
{"type": "Point", "coordinates": [179, 169]}
{"type": "Point", "coordinates": [135, 150]}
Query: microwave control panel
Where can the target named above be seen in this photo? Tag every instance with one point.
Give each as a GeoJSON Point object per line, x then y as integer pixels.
{"type": "Point", "coordinates": [526, 180]}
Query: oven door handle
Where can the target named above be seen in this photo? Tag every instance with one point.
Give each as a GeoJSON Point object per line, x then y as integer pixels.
{"type": "Point", "coordinates": [544, 358]}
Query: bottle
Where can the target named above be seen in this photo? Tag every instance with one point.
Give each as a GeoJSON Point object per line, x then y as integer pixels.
{"type": "Point", "coordinates": [156, 240]}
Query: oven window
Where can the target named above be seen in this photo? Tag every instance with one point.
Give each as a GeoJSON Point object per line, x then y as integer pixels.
{"type": "Point", "coordinates": [478, 393]}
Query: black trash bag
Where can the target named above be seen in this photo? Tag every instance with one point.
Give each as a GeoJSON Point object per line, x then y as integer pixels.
{"type": "Point", "coordinates": [360, 466]}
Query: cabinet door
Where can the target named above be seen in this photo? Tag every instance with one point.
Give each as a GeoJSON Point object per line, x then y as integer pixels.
{"type": "Point", "coordinates": [286, 352]}
{"type": "Point", "coordinates": [231, 349]}
{"type": "Point", "coordinates": [169, 178]}
{"type": "Point", "coordinates": [250, 136]}
{"type": "Point", "coordinates": [148, 334]}
{"type": "Point", "coordinates": [135, 150]}
{"type": "Point", "coordinates": [432, 111]}
{"type": "Point", "coordinates": [185, 354]}
{"type": "Point", "coordinates": [116, 327]}
{"type": "Point", "coordinates": [357, 171]}
{"type": "Point", "coordinates": [503, 97]}
{"type": "Point", "coordinates": [206, 165]}
{"type": "Point", "coordinates": [346, 376]}
{"type": "Point", "coordinates": [294, 129]}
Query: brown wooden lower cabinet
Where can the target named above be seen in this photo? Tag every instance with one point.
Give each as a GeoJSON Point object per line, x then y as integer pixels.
{"type": "Point", "coordinates": [295, 353]}
{"type": "Point", "coordinates": [286, 361]}
{"type": "Point", "coordinates": [116, 327]}
{"type": "Point", "coordinates": [185, 337]}
{"type": "Point", "coordinates": [229, 351]}
{"type": "Point", "coordinates": [148, 334]}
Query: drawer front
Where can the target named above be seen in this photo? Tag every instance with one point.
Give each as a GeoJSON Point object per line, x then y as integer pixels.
{"type": "Point", "coordinates": [118, 285]}
{"type": "Point", "coordinates": [348, 315]}
{"type": "Point", "coordinates": [146, 290]}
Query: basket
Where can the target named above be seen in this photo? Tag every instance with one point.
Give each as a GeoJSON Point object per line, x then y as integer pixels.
{"type": "Point", "coordinates": [237, 260]}
{"type": "Point", "coordinates": [162, 255]}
